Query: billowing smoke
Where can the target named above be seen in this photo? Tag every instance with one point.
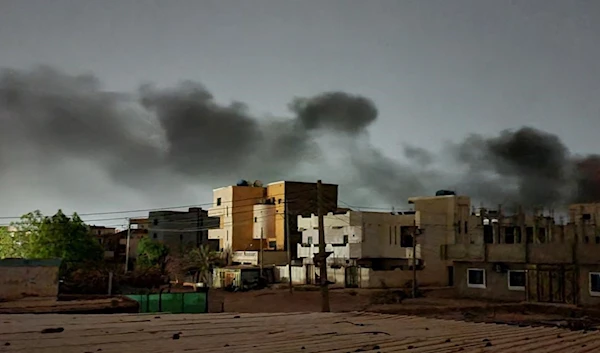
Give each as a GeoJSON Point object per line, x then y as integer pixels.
{"type": "Point", "coordinates": [162, 139]}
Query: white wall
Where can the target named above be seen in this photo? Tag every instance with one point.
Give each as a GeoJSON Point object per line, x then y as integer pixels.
{"type": "Point", "coordinates": [225, 233]}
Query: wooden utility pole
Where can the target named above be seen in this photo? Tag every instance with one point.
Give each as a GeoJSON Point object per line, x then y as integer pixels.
{"type": "Point", "coordinates": [322, 255]}
{"type": "Point", "coordinates": [261, 251]}
{"type": "Point", "coordinates": [288, 244]}
{"type": "Point", "coordinates": [127, 245]}
{"type": "Point", "coordinates": [414, 264]}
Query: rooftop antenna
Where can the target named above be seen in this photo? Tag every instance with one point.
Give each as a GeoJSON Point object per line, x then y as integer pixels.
{"type": "Point", "coordinates": [393, 211]}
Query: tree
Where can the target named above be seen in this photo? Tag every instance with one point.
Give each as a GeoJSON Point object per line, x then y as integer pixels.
{"type": "Point", "coordinates": [152, 254]}
{"type": "Point", "coordinates": [36, 236]}
{"type": "Point", "coordinates": [201, 261]}
{"type": "Point", "coordinates": [10, 247]}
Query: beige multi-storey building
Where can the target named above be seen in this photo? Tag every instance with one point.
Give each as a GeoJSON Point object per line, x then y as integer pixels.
{"type": "Point", "coordinates": [375, 249]}
{"type": "Point", "coordinates": [250, 212]}
{"type": "Point", "coordinates": [530, 256]}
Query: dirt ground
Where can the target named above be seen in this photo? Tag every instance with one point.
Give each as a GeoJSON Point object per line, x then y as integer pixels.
{"type": "Point", "coordinates": [438, 303]}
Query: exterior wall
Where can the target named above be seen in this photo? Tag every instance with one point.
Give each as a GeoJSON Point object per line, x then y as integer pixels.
{"type": "Point", "coordinates": [496, 283]}
{"type": "Point", "coordinates": [301, 199]}
{"type": "Point", "coordinates": [367, 278]}
{"type": "Point", "coordinates": [28, 278]}
{"type": "Point", "coordinates": [586, 298]}
{"type": "Point", "coordinates": [181, 230]}
{"type": "Point", "coordinates": [443, 220]}
{"type": "Point", "coordinates": [264, 221]}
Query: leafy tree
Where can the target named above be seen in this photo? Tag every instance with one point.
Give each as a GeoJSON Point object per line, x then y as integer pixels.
{"type": "Point", "coordinates": [36, 236]}
{"type": "Point", "coordinates": [152, 254]}
{"type": "Point", "coordinates": [10, 246]}
{"type": "Point", "coordinates": [201, 261]}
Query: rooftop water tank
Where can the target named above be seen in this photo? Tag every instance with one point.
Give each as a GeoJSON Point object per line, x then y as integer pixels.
{"type": "Point", "coordinates": [444, 193]}
{"type": "Point", "coordinates": [242, 183]}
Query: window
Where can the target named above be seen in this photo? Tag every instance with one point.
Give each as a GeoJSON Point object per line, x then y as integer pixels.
{"type": "Point", "coordinates": [529, 235]}
{"type": "Point", "coordinates": [488, 234]}
{"type": "Point", "coordinates": [586, 216]}
{"type": "Point", "coordinates": [475, 278]}
{"type": "Point", "coordinates": [595, 284]}
{"type": "Point", "coordinates": [541, 235]}
{"type": "Point", "coordinates": [466, 227]}
{"type": "Point", "coordinates": [180, 237]}
{"type": "Point", "coordinates": [155, 221]}
{"type": "Point", "coordinates": [517, 280]}
{"type": "Point", "coordinates": [309, 240]}
{"type": "Point", "coordinates": [518, 239]}
{"type": "Point", "coordinates": [597, 239]}
{"type": "Point", "coordinates": [272, 244]}
{"type": "Point", "coordinates": [154, 236]}
{"type": "Point", "coordinates": [279, 201]}
{"type": "Point", "coordinates": [406, 239]}
{"type": "Point", "coordinates": [509, 235]}
{"type": "Point", "coordinates": [586, 239]}
{"type": "Point", "coordinates": [255, 219]}
{"type": "Point", "coordinates": [219, 201]}
{"type": "Point", "coordinates": [345, 239]}
{"type": "Point", "coordinates": [395, 235]}
{"type": "Point", "coordinates": [390, 235]}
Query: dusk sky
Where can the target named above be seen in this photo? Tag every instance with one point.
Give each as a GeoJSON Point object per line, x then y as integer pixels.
{"type": "Point", "coordinates": [436, 70]}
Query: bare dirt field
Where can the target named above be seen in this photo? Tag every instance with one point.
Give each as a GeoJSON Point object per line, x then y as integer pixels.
{"type": "Point", "coordinates": [438, 303]}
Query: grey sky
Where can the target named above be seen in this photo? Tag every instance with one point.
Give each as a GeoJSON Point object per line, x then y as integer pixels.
{"type": "Point", "coordinates": [437, 70]}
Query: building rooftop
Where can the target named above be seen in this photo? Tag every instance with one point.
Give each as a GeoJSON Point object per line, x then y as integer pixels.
{"type": "Point", "coordinates": [282, 332]}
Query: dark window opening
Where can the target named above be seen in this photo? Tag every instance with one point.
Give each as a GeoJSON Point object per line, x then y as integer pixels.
{"type": "Point", "coordinates": [390, 235]}
{"type": "Point", "coordinates": [541, 235]}
{"type": "Point", "coordinates": [255, 219]}
{"type": "Point", "coordinates": [509, 235]}
{"type": "Point", "coordinates": [518, 237]}
{"type": "Point", "coordinates": [597, 239]}
{"type": "Point", "coordinates": [406, 239]}
{"type": "Point", "coordinates": [180, 237]}
{"type": "Point", "coordinates": [458, 228]}
{"type": "Point", "coordinates": [516, 279]}
{"type": "Point", "coordinates": [476, 277]}
{"type": "Point", "coordinates": [219, 201]}
{"type": "Point", "coordinates": [488, 234]}
{"type": "Point", "coordinates": [466, 227]}
{"type": "Point", "coordinates": [272, 244]}
{"type": "Point", "coordinates": [279, 201]}
{"type": "Point", "coordinates": [155, 221]}
{"type": "Point", "coordinates": [309, 240]}
{"type": "Point", "coordinates": [154, 236]}
{"type": "Point", "coordinates": [345, 239]}
{"type": "Point", "coordinates": [586, 239]}
{"type": "Point", "coordinates": [586, 216]}
{"type": "Point", "coordinates": [595, 282]}
{"type": "Point", "coordinates": [529, 234]}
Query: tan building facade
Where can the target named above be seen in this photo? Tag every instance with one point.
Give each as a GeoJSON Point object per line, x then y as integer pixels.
{"type": "Point", "coordinates": [250, 212]}
{"type": "Point", "coordinates": [530, 256]}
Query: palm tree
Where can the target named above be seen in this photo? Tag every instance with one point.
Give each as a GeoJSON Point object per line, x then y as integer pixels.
{"type": "Point", "coordinates": [201, 261]}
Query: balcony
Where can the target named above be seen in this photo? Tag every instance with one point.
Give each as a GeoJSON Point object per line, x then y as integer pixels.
{"type": "Point", "coordinates": [506, 253]}
{"type": "Point", "coordinates": [217, 211]}
{"type": "Point", "coordinates": [245, 257]}
{"type": "Point", "coordinates": [465, 252]}
{"type": "Point", "coordinates": [554, 253]}
{"type": "Point", "coordinates": [216, 234]}
{"type": "Point", "coordinates": [309, 251]}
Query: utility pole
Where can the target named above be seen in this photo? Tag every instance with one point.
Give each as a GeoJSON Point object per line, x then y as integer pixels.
{"type": "Point", "coordinates": [322, 255]}
{"type": "Point", "coordinates": [127, 246]}
{"type": "Point", "coordinates": [288, 243]}
{"type": "Point", "coordinates": [414, 264]}
{"type": "Point", "coordinates": [261, 251]}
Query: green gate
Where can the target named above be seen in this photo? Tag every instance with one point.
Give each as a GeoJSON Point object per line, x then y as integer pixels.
{"type": "Point", "coordinates": [175, 303]}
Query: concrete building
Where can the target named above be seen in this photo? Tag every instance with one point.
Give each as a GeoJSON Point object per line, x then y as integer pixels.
{"type": "Point", "coordinates": [250, 212]}
{"type": "Point", "coordinates": [375, 249]}
{"type": "Point", "coordinates": [181, 230]}
{"type": "Point", "coordinates": [530, 256]}
{"type": "Point", "coordinates": [108, 238]}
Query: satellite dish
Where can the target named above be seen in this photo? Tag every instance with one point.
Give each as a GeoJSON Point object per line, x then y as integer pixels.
{"type": "Point", "coordinates": [258, 183]}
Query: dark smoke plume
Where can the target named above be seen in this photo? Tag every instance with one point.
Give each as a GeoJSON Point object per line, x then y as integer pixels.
{"type": "Point", "coordinates": [161, 139]}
